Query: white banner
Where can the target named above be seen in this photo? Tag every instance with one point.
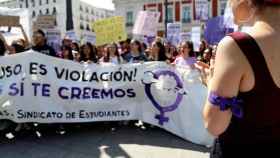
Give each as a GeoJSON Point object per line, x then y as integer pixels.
{"type": "Point", "coordinates": [39, 88]}
{"type": "Point", "coordinates": [146, 23]}
{"type": "Point", "coordinates": [173, 33]}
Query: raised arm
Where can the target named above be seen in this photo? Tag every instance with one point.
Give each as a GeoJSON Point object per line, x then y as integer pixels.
{"type": "Point", "coordinates": [27, 43]}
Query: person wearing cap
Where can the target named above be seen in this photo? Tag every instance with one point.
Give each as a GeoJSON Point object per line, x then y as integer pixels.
{"type": "Point", "coordinates": [243, 108]}
{"type": "Point", "coordinates": [40, 44]}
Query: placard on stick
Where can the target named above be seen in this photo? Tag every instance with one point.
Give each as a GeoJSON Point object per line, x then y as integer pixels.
{"type": "Point", "coordinates": [7, 20]}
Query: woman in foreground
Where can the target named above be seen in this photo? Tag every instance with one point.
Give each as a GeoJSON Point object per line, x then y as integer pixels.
{"type": "Point", "coordinates": [243, 108]}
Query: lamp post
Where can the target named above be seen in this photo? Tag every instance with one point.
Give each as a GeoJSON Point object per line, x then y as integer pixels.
{"type": "Point", "coordinates": [166, 16]}
{"type": "Point", "coordinates": [69, 15]}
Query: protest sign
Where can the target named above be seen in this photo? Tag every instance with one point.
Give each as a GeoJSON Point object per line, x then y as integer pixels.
{"type": "Point", "coordinates": [88, 36]}
{"type": "Point", "coordinates": [15, 32]}
{"type": "Point", "coordinates": [71, 34]}
{"type": "Point", "coordinates": [10, 37]}
{"type": "Point", "coordinates": [148, 40]}
{"type": "Point", "coordinates": [9, 20]}
{"type": "Point", "coordinates": [45, 22]}
{"type": "Point", "coordinates": [216, 29]}
{"type": "Point", "coordinates": [173, 33]}
{"type": "Point", "coordinates": [196, 37]}
{"type": "Point", "coordinates": [185, 36]}
{"type": "Point", "coordinates": [109, 30]}
{"type": "Point", "coordinates": [39, 88]}
{"type": "Point", "coordinates": [54, 38]}
{"type": "Point", "coordinates": [146, 23]}
{"type": "Point", "coordinates": [201, 9]}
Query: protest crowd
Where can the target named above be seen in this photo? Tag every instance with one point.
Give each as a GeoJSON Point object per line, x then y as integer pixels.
{"type": "Point", "coordinates": [241, 108]}
{"type": "Point", "coordinates": [125, 52]}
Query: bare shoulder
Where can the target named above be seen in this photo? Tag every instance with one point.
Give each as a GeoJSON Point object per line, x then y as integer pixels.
{"type": "Point", "coordinates": [229, 69]}
{"type": "Point", "coordinates": [229, 53]}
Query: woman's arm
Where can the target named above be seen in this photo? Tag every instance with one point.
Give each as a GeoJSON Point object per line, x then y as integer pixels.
{"type": "Point", "coordinates": [27, 43]}
{"type": "Point", "coordinates": [228, 72]}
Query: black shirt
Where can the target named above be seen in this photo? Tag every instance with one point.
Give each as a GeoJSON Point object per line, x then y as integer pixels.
{"type": "Point", "coordinates": [45, 49]}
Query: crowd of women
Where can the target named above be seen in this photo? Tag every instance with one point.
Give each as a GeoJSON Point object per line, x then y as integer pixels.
{"type": "Point", "coordinates": [124, 52]}
{"type": "Point", "coordinates": [129, 51]}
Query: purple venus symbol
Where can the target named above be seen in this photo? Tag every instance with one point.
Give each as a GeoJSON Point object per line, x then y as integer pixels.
{"type": "Point", "coordinates": [178, 89]}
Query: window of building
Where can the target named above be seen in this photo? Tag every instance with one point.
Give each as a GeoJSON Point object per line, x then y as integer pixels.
{"type": "Point", "coordinates": [87, 10]}
{"type": "Point", "coordinates": [47, 1]}
{"type": "Point", "coordinates": [81, 17]}
{"type": "Point", "coordinates": [82, 26]}
{"type": "Point", "coordinates": [129, 18]}
{"type": "Point", "coordinates": [26, 3]}
{"type": "Point", "coordinates": [87, 19]}
{"type": "Point", "coordinates": [47, 11]}
{"type": "Point", "coordinates": [20, 5]}
{"type": "Point", "coordinates": [54, 11]}
{"type": "Point", "coordinates": [92, 12]}
{"type": "Point", "coordinates": [33, 3]}
{"type": "Point", "coordinates": [81, 8]}
{"type": "Point", "coordinates": [223, 5]}
{"type": "Point", "coordinates": [186, 16]}
{"type": "Point", "coordinates": [33, 14]}
{"type": "Point", "coordinates": [54, 1]}
{"type": "Point", "coordinates": [40, 2]}
{"type": "Point", "coordinates": [88, 27]}
{"type": "Point", "coordinates": [170, 14]}
{"type": "Point", "coordinates": [40, 12]}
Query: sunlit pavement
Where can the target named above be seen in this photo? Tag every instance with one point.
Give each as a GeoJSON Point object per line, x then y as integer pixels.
{"type": "Point", "coordinates": [101, 140]}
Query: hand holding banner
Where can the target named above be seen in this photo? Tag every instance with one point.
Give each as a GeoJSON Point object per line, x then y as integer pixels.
{"type": "Point", "coordinates": [39, 88]}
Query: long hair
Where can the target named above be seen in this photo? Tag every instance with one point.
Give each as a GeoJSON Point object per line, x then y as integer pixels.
{"type": "Point", "coordinates": [190, 47]}
{"type": "Point", "coordinates": [76, 46]}
{"type": "Point", "coordinates": [93, 53]}
{"type": "Point", "coordinates": [116, 53]}
{"type": "Point", "coordinates": [138, 44]}
{"type": "Point", "coordinates": [69, 49]}
{"type": "Point", "coordinates": [161, 54]}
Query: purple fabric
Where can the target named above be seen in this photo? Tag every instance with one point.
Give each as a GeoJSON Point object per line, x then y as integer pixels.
{"type": "Point", "coordinates": [234, 104]}
{"type": "Point", "coordinates": [216, 30]}
{"type": "Point", "coordinates": [161, 117]}
{"type": "Point", "coordinates": [191, 61]}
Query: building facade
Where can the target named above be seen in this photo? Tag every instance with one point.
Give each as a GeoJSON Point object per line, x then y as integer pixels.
{"type": "Point", "coordinates": [9, 4]}
{"type": "Point", "coordinates": [181, 11]}
{"type": "Point", "coordinates": [83, 14]}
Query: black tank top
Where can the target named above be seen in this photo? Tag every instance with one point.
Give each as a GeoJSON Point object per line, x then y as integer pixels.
{"type": "Point", "coordinates": [260, 125]}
